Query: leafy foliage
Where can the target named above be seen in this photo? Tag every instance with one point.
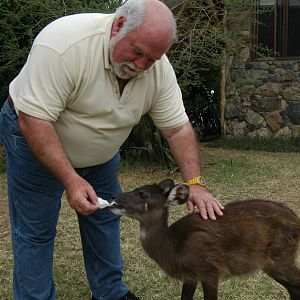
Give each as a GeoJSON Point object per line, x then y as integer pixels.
{"type": "Point", "coordinates": [145, 143]}
{"type": "Point", "coordinates": [22, 20]}
{"type": "Point", "coordinates": [198, 49]}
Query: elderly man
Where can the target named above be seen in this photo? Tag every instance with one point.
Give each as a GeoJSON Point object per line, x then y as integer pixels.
{"type": "Point", "coordinates": [87, 81]}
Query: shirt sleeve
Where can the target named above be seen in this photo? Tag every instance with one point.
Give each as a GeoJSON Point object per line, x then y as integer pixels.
{"type": "Point", "coordinates": [168, 111]}
{"type": "Point", "coordinates": [43, 86]}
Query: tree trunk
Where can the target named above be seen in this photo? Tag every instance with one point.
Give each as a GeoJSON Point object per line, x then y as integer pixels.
{"type": "Point", "coordinates": [223, 95]}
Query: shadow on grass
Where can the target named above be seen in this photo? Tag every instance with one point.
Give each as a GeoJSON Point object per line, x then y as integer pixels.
{"type": "Point", "coordinates": [246, 143]}
{"type": "Point", "coordinates": [2, 160]}
{"type": "Point", "coordinates": [2, 165]}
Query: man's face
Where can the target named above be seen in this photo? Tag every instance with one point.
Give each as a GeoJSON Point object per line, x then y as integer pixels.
{"type": "Point", "coordinates": [126, 68]}
{"type": "Point", "coordinates": [136, 52]}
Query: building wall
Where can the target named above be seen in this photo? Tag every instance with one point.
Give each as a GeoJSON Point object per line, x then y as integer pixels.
{"type": "Point", "coordinates": [263, 97]}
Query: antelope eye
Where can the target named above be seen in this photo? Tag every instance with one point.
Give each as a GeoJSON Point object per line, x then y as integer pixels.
{"type": "Point", "coordinates": [143, 194]}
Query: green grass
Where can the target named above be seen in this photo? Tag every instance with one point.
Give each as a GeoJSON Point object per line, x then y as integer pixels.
{"type": "Point", "coordinates": [231, 174]}
{"type": "Point", "coordinates": [271, 144]}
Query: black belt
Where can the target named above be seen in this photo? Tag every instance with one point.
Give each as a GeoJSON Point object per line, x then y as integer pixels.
{"type": "Point", "coordinates": [10, 102]}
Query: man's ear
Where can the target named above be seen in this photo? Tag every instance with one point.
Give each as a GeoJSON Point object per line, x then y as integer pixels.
{"type": "Point", "coordinates": [117, 25]}
{"type": "Point", "coordinates": [178, 195]}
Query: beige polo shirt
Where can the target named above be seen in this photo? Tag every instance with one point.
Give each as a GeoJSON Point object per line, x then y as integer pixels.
{"type": "Point", "coordinates": [68, 80]}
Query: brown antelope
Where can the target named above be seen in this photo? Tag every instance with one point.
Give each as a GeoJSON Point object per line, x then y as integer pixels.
{"type": "Point", "coordinates": [252, 235]}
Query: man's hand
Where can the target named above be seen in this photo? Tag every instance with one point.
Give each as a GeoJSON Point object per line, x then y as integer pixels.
{"type": "Point", "coordinates": [208, 206]}
{"type": "Point", "coordinates": [185, 150]}
{"type": "Point", "coordinates": [45, 144]}
{"type": "Point", "coordinates": [81, 196]}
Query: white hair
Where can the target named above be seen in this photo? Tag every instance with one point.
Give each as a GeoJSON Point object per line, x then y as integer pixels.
{"type": "Point", "coordinates": [134, 11]}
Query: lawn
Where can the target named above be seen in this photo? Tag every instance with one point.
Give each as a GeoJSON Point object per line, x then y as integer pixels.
{"type": "Point", "coordinates": [231, 174]}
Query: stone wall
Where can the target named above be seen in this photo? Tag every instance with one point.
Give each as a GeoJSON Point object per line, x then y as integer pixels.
{"type": "Point", "coordinates": [263, 98]}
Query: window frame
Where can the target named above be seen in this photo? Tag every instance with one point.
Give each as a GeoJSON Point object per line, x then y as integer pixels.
{"type": "Point", "coordinates": [280, 34]}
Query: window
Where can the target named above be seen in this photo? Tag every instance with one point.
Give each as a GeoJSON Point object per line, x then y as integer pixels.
{"type": "Point", "coordinates": [277, 33]}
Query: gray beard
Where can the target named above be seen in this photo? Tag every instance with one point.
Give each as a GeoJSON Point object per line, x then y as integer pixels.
{"type": "Point", "coordinates": [124, 70]}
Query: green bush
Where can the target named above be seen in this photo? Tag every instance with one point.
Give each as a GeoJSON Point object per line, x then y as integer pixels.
{"type": "Point", "coordinates": [197, 55]}
{"type": "Point", "coordinates": [22, 20]}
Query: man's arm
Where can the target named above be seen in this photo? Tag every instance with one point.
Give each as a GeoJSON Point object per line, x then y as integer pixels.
{"type": "Point", "coordinates": [185, 150]}
{"type": "Point", "coordinates": [46, 146]}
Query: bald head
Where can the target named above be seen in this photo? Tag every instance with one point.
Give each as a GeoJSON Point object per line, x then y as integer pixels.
{"type": "Point", "coordinates": [142, 32]}
{"type": "Point", "coordinates": [151, 15]}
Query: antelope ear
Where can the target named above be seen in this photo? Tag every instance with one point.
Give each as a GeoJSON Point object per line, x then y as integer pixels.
{"type": "Point", "coordinates": [167, 185]}
{"type": "Point", "coordinates": [178, 195]}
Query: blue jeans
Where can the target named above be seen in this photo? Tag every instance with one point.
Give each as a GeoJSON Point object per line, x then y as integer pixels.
{"type": "Point", "coordinates": [34, 205]}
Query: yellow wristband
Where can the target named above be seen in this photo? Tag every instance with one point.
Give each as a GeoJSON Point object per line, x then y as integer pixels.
{"type": "Point", "coordinates": [199, 180]}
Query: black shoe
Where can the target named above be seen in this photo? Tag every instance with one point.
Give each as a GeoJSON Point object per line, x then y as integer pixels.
{"type": "Point", "coordinates": [129, 296]}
